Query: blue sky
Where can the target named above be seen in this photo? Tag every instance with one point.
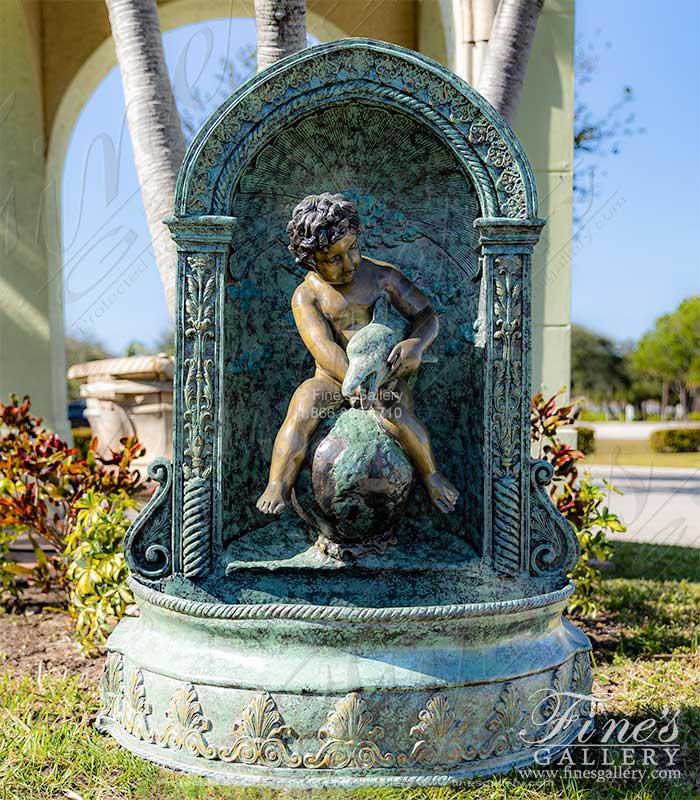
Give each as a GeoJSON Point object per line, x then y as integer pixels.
{"type": "Point", "coordinates": [112, 290]}
{"type": "Point", "coordinates": [635, 254]}
{"type": "Point", "coordinates": [638, 256]}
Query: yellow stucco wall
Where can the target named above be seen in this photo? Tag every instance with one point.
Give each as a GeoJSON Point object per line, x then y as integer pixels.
{"type": "Point", "coordinates": [28, 311]}
{"type": "Point", "coordinates": [71, 30]}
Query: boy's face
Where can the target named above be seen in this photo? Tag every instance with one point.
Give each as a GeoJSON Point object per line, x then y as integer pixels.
{"type": "Point", "coordinates": [337, 266]}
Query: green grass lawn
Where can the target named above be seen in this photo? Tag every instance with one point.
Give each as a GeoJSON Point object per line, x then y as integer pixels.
{"type": "Point", "coordinates": [633, 453]}
{"type": "Point", "coordinates": [647, 659]}
{"type": "Point", "coordinates": [655, 561]}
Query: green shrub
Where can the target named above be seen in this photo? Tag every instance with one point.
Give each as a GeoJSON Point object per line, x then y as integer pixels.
{"type": "Point", "coordinates": [584, 508]}
{"type": "Point", "coordinates": [96, 569]}
{"type": "Point", "coordinates": [694, 416]}
{"type": "Point", "coordinates": [586, 440]}
{"type": "Point", "coordinates": [675, 440]}
{"type": "Point", "coordinates": [588, 415]}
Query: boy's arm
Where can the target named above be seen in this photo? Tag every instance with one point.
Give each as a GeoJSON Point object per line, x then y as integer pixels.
{"type": "Point", "coordinates": [414, 306]}
{"type": "Point", "coordinates": [316, 334]}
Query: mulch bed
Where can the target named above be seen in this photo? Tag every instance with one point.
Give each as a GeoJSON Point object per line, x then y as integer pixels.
{"type": "Point", "coordinates": [40, 640]}
{"type": "Point", "coordinates": [604, 631]}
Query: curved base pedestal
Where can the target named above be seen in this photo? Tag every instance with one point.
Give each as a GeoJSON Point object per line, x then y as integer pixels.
{"type": "Point", "coordinates": [309, 696]}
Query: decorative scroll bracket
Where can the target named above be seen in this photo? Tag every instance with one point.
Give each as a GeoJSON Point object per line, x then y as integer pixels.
{"type": "Point", "coordinates": [554, 547]}
{"type": "Point", "coordinates": [506, 250]}
{"type": "Point", "coordinates": [203, 245]}
{"type": "Point", "coordinates": [147, 545]}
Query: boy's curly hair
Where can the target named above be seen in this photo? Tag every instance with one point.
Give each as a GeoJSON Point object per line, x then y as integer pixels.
{"type": "Point", "coordinates": [317, 222]}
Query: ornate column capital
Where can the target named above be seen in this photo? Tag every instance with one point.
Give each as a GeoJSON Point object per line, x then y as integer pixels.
{"type": "Point", "coordinates": [502, 235]}
{"type": "Point", "coordinates": [202, 233]}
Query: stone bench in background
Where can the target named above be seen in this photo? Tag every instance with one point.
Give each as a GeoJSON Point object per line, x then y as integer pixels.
{"type": "Point", "coordinates": [129, 397]}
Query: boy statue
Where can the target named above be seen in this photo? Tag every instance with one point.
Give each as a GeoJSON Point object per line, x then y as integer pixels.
{"type": "Point", "coordinates": [334, 301]}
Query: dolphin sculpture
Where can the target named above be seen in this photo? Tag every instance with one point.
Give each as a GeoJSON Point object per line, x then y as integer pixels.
{"type": "Point", "coordinates": [368, 355]}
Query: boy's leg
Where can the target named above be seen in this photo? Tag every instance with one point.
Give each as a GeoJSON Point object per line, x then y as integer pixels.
{"type": "Point", "coordinates": [309, 403]}
{"type": "Point", "coordinates": [402, 423]}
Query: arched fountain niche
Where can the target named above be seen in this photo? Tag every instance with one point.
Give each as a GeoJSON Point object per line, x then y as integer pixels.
{"type": "Point", "coordinates": [435, 647]}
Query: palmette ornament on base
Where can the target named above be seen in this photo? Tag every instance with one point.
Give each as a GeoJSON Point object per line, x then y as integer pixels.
{"type": "Point", "coordinates": [351, 573]}
{"type": "Point", "coordinates": [260, 736]}
{"type": "Point", "coordinates": [351, 747]}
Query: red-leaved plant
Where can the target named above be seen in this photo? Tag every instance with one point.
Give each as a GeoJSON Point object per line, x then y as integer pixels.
{"type": "Point", "coordinates": [42, 478]}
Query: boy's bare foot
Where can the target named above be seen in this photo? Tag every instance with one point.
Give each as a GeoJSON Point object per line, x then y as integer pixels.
{"type": "Point", "coordinates": [441, 491]}
{"type": "Point", "coordinates": [272, 500]}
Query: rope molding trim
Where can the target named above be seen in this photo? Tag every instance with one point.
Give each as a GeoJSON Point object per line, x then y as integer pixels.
{"type": "Point", "coordinates": [301, 611]}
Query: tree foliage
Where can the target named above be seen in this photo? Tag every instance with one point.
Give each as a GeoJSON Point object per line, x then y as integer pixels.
{"type": "Point", "coordinates": [667, 356]}
{"type": "Point", "coordinates": [599, 369]}
{"type": "Point", "coordinates": [78, 351]}
{"type": "Point", "coordinates": [671, 350]}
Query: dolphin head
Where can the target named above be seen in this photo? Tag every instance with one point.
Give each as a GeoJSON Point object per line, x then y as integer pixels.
{"type": "Point", "coordinates": [368, 367]}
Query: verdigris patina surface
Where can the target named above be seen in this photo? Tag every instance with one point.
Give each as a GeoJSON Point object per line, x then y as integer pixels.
{"type": "Point", "coordinates": [395, 631]}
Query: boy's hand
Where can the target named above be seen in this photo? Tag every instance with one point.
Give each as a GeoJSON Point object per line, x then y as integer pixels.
{"type": "Point", "coordinates": [405, 358]}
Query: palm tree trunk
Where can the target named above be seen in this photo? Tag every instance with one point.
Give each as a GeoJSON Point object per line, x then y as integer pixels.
{"type": "Point", "coordinates": [281, 29]}
{"type": "Point", "coordinates": [503, 72]}
{"type": "Point", "coordinates": [664, 399]}
{"type": "Point", "coordinates": [154, 123]}
{"type": "Point", "coordinates": [683, 400]}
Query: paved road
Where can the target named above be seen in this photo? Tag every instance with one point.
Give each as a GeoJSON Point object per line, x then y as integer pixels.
{"type": "Point", "coordinates": [660, 505]}
{"type": "Point", "coordinates": [633, 431]}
